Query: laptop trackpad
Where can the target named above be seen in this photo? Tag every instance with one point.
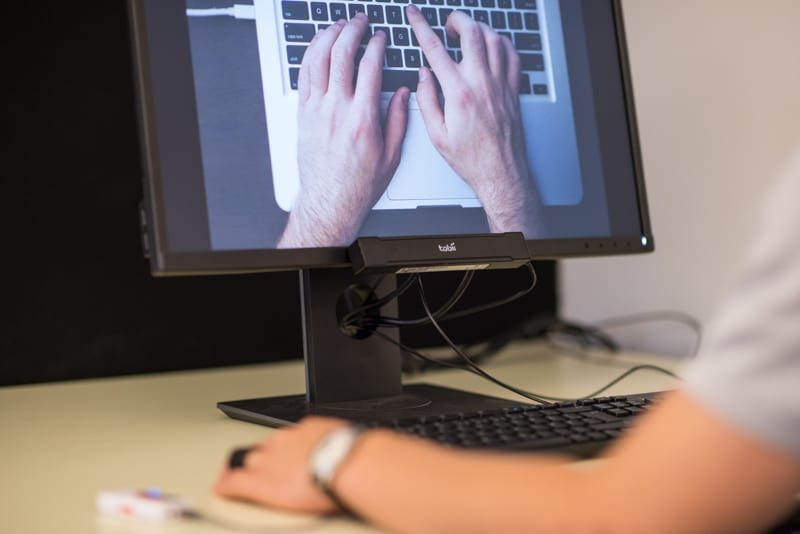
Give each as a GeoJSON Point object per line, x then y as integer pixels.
{"type": "Point", "coordinates": [425, 176]}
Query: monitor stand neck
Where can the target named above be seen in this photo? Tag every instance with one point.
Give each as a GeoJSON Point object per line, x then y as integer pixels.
{"type": "Point", "coordinates": [357, 379]}
{"type": "Point", "coordinates": [338, 367]}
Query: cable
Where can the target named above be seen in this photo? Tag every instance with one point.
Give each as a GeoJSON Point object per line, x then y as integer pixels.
{"type": "Point", "coordinates": [359, 312]}
{"type": "Point", "coordinates": [500, 302]}
{"type": "Point", "coordinates": [493, 345]}
{"type": "Point", "coordinates": [239, 11]}
{"type": "Point", "coordinates": [541, 326]}
{"type": "Point", "coordinates": [657, 315]}
{"type": "Point", "coordinates": [444, 313]}
{"type": "Point", "coordinates": [416, 353]}
{"type": "Point", "coordinates": [609, 385]}
{"type": "Point", "coordinates": [459, 292]}
{"type": "Point", "coordinates": [483, 350]}
{"type": "Point", "coordinates": [586, 336]}
{"type": "Point", "coordinates": [358, 317]}
{"type": "Point", "coordinates": [471, 366]}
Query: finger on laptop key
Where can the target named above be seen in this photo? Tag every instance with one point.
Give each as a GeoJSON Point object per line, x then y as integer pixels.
{"type": "Point", "coordinates": [471, 36]}
{"type": "Point", "coordinates": [314, 71]}
{"type": "Point", "coordinates": [343, 55]}
{"type": "Point", "coordinates": [370, 68]}
{"type": "Point", "coordinates": [432, 47]}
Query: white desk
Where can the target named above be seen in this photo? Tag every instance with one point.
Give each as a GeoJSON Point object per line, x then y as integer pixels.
{"type": "Point", "coordinates": [62, 443]}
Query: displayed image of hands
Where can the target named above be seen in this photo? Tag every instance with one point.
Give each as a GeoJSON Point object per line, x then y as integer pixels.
{"type": "Point", "coordinates": [348, 152]}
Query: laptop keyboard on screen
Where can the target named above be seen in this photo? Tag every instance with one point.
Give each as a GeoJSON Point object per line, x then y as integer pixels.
{"type": "Point", "coordinates": [518, 20]}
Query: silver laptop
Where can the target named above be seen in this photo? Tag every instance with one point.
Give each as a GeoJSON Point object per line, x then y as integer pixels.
{"type": "Point", "coordinates": [285, 28]}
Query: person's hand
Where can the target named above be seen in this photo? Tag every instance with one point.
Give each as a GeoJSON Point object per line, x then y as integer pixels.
{"type": "Point", "coordinates": [479, 131]}
{"type": "Point", "coordinates": [346, 154]}
{"type": "Point", "coordinates": [276, 472]}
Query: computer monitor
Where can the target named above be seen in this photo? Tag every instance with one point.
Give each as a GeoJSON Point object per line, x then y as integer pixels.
{"type": "Point", "coordinates": [218, 96]}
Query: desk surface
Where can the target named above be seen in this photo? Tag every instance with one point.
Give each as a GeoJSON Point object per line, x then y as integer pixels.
{"type": "Point", "coordinates": [62, 443]}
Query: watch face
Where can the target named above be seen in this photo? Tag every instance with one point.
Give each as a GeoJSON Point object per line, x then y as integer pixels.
{"type": "Point", "coordinates": [330, 452]}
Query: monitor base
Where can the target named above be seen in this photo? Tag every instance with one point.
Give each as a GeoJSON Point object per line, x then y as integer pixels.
{"type": "Point", "coordinates": [415, 400]}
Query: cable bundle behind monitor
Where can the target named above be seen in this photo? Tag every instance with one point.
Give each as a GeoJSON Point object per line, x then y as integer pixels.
{"type": "Point", "coordinates": [359, 317]}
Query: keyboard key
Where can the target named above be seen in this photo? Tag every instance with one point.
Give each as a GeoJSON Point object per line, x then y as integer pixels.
{"type": "Point", "coordinates": [299, 33]}
{"type": "Point", "coordinates": [386, 32]}
{"type": "Point", "coordinates": [528, 41]}
{"type": "Point", "coordinates": [338, 11]}
{"type": "Point", "coordinates": [294, 54]}
{"type": "Point", "coordinates": [294, 74]}
{"type": "Point", "coordinates": [355, 9]}
{"type": "Point", "coordinates": [394, 15]}
{"type": "Point", "coordinates": [413, 59]}
{"type": "Point", "coordinates": [524, 84]}
{"type": "Point", "coordinates": [319, 11]}
{"type": "Point", "coordinates": [531, 62]}
{"type": "Point", "coordinates": [443, 14]}
{"type": "Point", "coordinates": [498, 19]}
{"type": "Point", "coordinates": [575, 409]}
{"type": "Point", "coordinates": [295, 10]}
{"type": "Point", "coordinates": [400, 36]}
{"type": "Point", "coordinates": [481, 16]}
{"type": "Point", "coordinates": [395, 79]}
{"type": "Point", "coordinates": [614, 425]}
{"type": "Point", "coordinates": [541, 89]}
{"type": "Point", "coordinates": [514, 20]}
{"type": "Point", "coordinates": [430, 15]}
{"type": "Point", "coordinates": [375, 14]}
{"type": "Point", "coordinates": [531, 21]}
{"type": "Point", "coordinates": [525, 4]}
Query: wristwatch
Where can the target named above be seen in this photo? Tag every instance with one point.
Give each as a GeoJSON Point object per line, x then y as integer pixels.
{"type": "Point", "coordinates": [329, 455]}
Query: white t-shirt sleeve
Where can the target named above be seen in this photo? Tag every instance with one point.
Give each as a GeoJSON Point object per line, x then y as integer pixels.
{"type": "Point", "coordinates": [749, 369]}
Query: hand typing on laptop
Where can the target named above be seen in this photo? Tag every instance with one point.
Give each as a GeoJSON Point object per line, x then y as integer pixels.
{"type": "Point", "coordinates": [347, 155]}
{"type": "Point", "coordinates": [479, 131]}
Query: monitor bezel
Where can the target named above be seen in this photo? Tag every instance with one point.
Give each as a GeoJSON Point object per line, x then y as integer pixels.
{"type": "Point", "coordinates": [164, 262]}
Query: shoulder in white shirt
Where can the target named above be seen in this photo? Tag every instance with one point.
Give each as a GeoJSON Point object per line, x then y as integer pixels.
{"type": "Point", "coordinates": [749, 370]}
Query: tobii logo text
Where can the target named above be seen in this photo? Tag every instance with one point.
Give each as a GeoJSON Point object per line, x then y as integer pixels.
{"type": "Point", "coordinates": [447, 248]}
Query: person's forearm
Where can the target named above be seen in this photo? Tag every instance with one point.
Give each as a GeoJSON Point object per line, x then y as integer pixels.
{"type": "Point", "coordinates": [405, 484]}
{"type": "Point", "coordinates": [512, 205]}
{"type": "Point", "coordinates": [673, 473]}
{"type": "Point", "coordinates": [325, 225]}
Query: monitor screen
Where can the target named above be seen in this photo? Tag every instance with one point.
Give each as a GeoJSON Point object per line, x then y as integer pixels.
{"type": "Point", "coordinates": [224, 140]}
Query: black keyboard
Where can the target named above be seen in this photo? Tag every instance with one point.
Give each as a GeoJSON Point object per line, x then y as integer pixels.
{"type": "Point", "coordinates": [580, 428]}
{"type": "Point", "coordinates": [519, 20]}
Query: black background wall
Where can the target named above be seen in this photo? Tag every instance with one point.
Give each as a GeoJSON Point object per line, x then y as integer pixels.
{"type": "Point", "coordinates": [77, 294]}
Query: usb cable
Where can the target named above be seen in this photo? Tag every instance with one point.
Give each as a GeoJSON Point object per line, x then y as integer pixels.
{"type": "Point", "coordinates": [239, 11]}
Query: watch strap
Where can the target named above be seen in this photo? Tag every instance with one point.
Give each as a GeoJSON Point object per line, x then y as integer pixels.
{"type": "Point", "coordinates": [323, 475]}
